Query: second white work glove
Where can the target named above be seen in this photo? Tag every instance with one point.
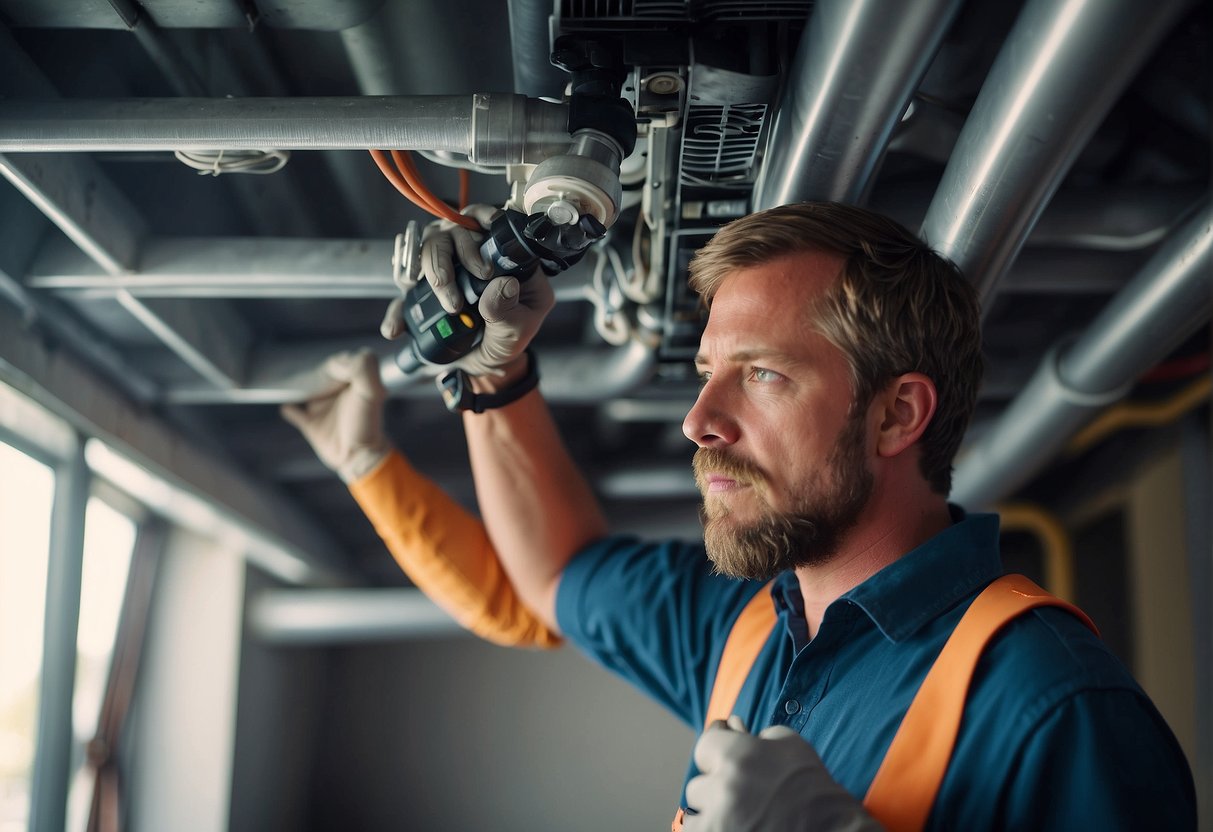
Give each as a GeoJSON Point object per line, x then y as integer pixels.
{"type": "Point", "coordinates": [773, 782]}
{"type": "Point", "coordinates": [512, 309]}
{"type": "Point", "coordinates": [343, 421]}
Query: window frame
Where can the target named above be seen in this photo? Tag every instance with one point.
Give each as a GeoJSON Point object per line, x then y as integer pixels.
{"type": "Point", "coordinates": [50, 440]}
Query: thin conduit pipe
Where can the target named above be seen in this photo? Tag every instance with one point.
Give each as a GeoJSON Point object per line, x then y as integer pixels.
{"type": "Point", "coordinates": [1061, 69]}
{"type": "Point", "coordinates": [1141, 415]}
{"type": "Point", "coordinates": [1167, 301]}
{"type": "Point", "coordinates": [1055, 545]}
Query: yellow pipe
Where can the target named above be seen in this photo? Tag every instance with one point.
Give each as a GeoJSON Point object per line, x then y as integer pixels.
{"type": "Point", "coordinates": [1139, 415]}
{"type": "Point", "coordinates": [1054, 543]}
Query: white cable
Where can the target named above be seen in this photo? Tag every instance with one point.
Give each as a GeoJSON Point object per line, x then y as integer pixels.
{"type": "Point", "coordinates": [216, 162]}
{"type": "Point", "coordinates": [609, 320]}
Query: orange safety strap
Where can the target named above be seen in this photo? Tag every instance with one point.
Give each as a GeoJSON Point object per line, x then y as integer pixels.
{"type": "Point", "coordinates": [750, 631]}
{"type": "Point", "coordinates": [909, 777]}
{"type": "Point", "coordinates": [905, 786]}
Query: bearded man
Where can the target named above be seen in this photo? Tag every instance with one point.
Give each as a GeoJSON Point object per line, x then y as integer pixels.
{"type": "Point", "coordinates": [839, 366]}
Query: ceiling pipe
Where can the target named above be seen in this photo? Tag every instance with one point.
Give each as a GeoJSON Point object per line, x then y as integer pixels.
{"type": "Point", "coordinates": [568, 375]}
{"type": "Point", "coordinates": [857, 66]}
{"type": "Point", "coordinates": [1062, 67]}
{"type": "Point", "coordinates": [589, 375]}
{"type": "Point", "coordinates": [489, 128]}
{"type": "Point", "coordinates": [1168, 300]}
{"type": "Point", "coordinates": [323, 616]}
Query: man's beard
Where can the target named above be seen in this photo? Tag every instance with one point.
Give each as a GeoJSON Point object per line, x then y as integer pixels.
{"type": "Point", "coordinates": [808, 534]}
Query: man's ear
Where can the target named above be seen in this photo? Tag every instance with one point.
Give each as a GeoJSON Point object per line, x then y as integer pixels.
{"type": "Point", "coordinates": [907, 405]}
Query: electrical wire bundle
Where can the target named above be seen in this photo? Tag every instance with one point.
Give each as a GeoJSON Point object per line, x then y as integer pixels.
{"type": "Point", "coordinates": [404, 176]}
{"type": "Point", "coordinates": [215, 162]}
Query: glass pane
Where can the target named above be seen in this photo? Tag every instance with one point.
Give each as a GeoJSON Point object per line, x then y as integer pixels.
{"type": "Point", "coordinates": [26, 493]}
{"type": "Point", "coordinates": [109, 539]}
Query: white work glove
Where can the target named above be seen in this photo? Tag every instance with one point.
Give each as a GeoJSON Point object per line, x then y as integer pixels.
{"type": "Point", "coordinates": [512, 309]}
{"type": "Point", "coordinates": [343, 421]}
{"type": "Point", "coordinates": [773, 782]}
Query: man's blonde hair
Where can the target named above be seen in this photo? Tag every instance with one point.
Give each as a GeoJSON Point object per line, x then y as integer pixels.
{"type": "Point", "coordinates": [898, 307]}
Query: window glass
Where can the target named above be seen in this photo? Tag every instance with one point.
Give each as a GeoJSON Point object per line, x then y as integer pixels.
{"type": "Point", "coordinates": [26, 493]}
{"type": "Point", "coordinates": [109, 540]}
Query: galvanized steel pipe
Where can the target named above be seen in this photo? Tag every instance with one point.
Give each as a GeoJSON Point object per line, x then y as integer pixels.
{"type": "Point", "coordinates": [1168, 300]}
{"type": "Point", "coordinates": [490, 128]}
{"type": "Point", "coordinates": [1061, 69]}
{"type": "Point", "coordinates": [858, 64]}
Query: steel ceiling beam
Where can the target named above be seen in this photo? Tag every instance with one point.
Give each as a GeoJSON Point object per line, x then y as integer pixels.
{"type": "Point", "coordinates": [76, 195]}
{"type": "Point", "coordinates": [78, 198]}
{"type": "Point", "coordinates": [230, 267]}
{"type": "Point", "coordinates": [266, 267]}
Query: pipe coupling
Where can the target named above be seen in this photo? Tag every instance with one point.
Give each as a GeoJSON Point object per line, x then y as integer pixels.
{"type": "Point", "coordinates": [514, 129]}
{"type": "Point", "coordinates": [587, 177]}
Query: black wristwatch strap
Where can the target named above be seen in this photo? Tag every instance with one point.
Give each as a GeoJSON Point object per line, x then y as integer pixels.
{"type": "Point", "coordinates": [458, 396]}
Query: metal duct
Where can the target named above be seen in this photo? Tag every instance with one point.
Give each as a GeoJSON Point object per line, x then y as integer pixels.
{"type": "Point", "coordinates": [531, 45]}
{"type": "Point", "coordinates": [858, 63]}
{"type": "Point", "coordinates": [490, 128]}
{"type": "Point", "coordinates": [1057, 75]}
{"type": "Point", "coordinates": [1168, 300]}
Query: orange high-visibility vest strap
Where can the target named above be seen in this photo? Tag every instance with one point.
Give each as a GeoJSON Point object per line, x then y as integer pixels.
{"type": "Point", "coordinates": [909, 778]}
{"type": "Point", "coordinates": [750, 631]}
{"type": "Point", "coordinates": [906, 784]}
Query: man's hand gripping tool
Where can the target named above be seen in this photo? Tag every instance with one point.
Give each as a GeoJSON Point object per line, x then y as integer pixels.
{"type": "Point", "coordinates": [516, 245]}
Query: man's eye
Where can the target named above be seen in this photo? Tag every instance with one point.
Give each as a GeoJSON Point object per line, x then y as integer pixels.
{"type": "Point", "coordinates": [763, 375]}
{"type": "Point", "coordinates": [703, 378]}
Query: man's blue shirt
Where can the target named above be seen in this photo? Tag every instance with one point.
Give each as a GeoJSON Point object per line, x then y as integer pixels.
{"type": "Point", "coordinates": [1055, 734]}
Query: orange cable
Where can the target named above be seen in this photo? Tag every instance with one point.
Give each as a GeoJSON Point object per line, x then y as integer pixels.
{"type": "Point", "coordinates": [404, 162]}
{"type": "Point", "coordinates": [394, 177]}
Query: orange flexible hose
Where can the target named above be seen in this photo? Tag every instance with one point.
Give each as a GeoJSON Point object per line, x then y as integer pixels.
{"type": "Point", "coordinates": [404, 164]}
{"type": "Point", "coordinates": [390, 173]}
{"type": "Point", "coordinates": [408, 170]}
{"type": "Point", "coordinates": [406, 180]}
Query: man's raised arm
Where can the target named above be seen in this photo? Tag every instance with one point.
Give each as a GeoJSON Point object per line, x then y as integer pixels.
{"type": "Point", "coordinates": [441, 547]}
{"type": "Point", "coordinates": [536, 505]}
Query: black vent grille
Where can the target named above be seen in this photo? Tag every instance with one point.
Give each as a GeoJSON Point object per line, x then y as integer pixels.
{"type": "Point", "coordinates": [720, 142]}
{"type": "Point", "coordinates": [652, 11]}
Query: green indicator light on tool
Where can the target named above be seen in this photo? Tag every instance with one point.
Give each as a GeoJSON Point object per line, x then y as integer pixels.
{"type": "Point", "coordinates": [444, 328]}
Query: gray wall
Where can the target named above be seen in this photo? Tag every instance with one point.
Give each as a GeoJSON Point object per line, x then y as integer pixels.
{"type": "Point", "coordinates": [461, 734]}
{"type": "Point", "coordinates": [279, 720]}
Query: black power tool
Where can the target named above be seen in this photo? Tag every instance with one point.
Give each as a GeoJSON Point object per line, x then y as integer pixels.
{"type": "Point", "coordinates": [516, 245]}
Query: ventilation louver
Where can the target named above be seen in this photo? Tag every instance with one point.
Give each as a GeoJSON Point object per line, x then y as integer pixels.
{"type": "Point", "coordinates": [720, 143]}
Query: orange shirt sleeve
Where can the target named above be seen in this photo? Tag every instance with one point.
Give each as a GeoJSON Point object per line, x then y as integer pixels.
{"type": "Point", "coordinates": [446, 552]}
